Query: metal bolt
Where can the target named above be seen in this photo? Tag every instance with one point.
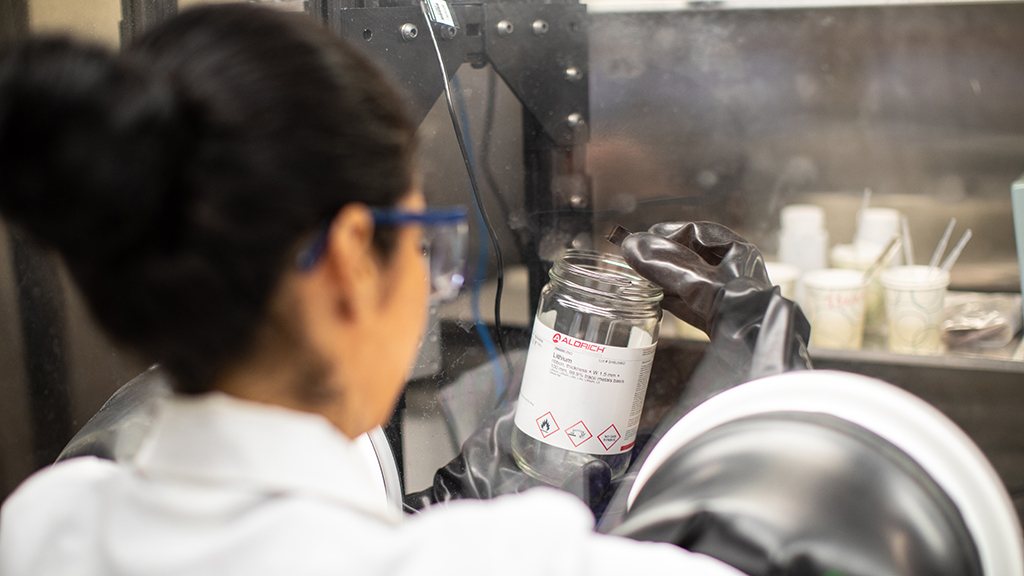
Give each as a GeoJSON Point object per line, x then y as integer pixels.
{"type": "Point", "coordinates": [448, 32]}
{"type": "Point", "coordinates": [573, 74]}
{"type": "Point", "coordinates": [540, 27]}
{"type": "Point", "coordinates": [574, 119]}
{"type": "Point", "coordinates": [504, 28]}
{"type": "Point", "coordinates": [409, 32]}
{"type": "Point", "coordinates": [577, 201]}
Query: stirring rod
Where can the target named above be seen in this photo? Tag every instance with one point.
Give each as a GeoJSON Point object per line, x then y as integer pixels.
{"type": "Point", "coordinates": [883, 259]}
{"type": "Point", "coordinates": [941, 248]}
{"type": "Point", "coordinates": [948, 264]}
{"type": "Point", "coordinates": [908, 248]}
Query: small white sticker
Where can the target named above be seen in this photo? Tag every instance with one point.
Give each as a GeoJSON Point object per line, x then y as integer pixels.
{"type": "Point", "coordinates": [440, 13]}
{"type": "Point", "coordinates": [582, 396]}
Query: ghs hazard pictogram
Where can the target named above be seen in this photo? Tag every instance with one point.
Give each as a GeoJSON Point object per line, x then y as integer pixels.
{"type": "Point", "coordinates": [547, 425]}
{"type": "Point", "coordinates": [578, 433]}
{"type": "Point", "coordinates": [609, 437]}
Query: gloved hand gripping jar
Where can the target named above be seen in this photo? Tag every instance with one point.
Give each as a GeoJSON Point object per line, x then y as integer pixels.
{"type": "Point", "coordinates": [587, 368]}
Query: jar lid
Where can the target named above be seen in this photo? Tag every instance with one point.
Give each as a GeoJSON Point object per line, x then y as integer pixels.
{"type": "Point", "coordinates": [604, 275]}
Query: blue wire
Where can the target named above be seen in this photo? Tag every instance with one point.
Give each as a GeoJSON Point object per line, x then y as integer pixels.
{"type": "Point", "coordinates": [481, 266]}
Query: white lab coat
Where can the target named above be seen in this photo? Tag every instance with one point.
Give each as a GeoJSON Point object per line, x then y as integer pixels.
{"type": "Point", "coordinates": [223, 486]}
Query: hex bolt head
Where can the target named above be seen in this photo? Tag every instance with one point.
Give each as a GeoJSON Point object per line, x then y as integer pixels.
{"type": "Point", "coordinates": [409, 32]}
{"type": "Point", "coordinates": [540, 27]}
{"type": "Point", "coordinates": [573, 74]}
{"type": "Point", "coordinates": [504, 28]}
{"type": "Point", "coordinates": [574, 119]}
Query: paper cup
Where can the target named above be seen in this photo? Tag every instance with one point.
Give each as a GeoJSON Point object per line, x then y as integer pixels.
{"type": "Point", "coordinates": [854, 258]}
{"type": "Point", "coordinates": [914, 299]}
{"type": "Point", "coordinates": [834, 303]}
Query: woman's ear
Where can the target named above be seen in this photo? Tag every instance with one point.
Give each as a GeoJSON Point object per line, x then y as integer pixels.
{"type": "Point", "coordinates": [350, 262]}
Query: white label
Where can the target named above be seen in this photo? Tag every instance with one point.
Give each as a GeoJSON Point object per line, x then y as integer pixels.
{"type": "Point", "coordinates": [439, 12]}
{"type": "Point", "coordinates": [582, 396]}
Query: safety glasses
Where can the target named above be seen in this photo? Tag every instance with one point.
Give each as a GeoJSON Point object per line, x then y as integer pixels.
{"type": "Point", "coordinates": [444, 245]}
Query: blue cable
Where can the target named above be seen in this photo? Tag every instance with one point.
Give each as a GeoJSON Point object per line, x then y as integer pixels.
{"type": "Point", "coordinates": [481, 266]}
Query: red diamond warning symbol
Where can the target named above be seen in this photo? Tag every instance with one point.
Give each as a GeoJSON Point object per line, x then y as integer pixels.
{"type": "Point", "coordinates": [578, 433]}
{"type": "Point", "coordinates": [547, 425]}
{"type": "Point", "coordinates": [609, 437]}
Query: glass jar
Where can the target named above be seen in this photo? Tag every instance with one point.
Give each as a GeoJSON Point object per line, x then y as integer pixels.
{"type": "Point", "coordinates": [587, 369]}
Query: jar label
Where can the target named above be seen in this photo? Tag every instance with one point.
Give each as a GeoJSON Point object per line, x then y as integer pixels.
{"type": "Point", "coordinates": [582, 396]}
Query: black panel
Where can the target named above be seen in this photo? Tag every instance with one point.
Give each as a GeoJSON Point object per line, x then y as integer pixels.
{"type": "Point", "coordinates": [13, 19]}
{"type": "Point", "coordinates": [43, 327]}
{"type": "Point", "coordinates": [137, 16]}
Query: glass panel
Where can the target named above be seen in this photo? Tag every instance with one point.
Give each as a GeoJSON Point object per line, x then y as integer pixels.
{"type": "Point", "coordinates": [724, 111]}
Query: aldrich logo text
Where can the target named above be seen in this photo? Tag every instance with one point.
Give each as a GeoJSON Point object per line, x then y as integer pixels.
{"type": "Point", "coordinates": [558, 338]}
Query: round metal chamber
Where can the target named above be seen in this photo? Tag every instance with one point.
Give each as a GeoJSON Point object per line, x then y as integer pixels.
{"type": "Point", "coordinates": [375, 448]}
{"type": "Point", "coordinates": [821, 472]}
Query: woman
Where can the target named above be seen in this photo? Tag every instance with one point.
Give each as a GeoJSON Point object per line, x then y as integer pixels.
{"type": "Point", "coordinates": [235, 196]}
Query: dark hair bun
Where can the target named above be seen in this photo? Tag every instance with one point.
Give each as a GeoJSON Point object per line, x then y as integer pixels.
{"type": "Point", "coordinates": [178, 178]}
{"type": "Point", "coordinates": [87, 147]}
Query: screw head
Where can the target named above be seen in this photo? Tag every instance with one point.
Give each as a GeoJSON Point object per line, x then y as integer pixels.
{"type": "Point", "coordinates": [575, 119]}
{"type": "Point", "coordinates": [409, 32]}
{"type": "Point", "coordinates": [448, 32]}
{"type": "Point", "coordinates": [504, 28]}
{"type": "Point", "coordinates": [540, 27]}
{"type": "Point", "coordinates": [573, 74]}
{"type": "Point", "coordinates": [576, 201]}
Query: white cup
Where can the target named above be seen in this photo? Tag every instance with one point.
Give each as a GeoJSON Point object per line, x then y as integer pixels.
{"type": "Point", "coordinates": [914, 299]}
{"type": "Point", "coordinates": [855, 257]}
{"type": "Point", "coordinates": [784, 276]}
{"type": "Point", "coordinates": [834, 303]}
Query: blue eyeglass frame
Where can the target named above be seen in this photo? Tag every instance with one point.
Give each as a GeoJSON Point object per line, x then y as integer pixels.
{"type": "Point", "coordinates": [307, 258]}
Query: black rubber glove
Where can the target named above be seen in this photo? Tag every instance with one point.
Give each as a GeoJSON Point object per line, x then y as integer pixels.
{"type": "Point", "coordinates": [693, 262]}
{"type": "Point", "coordinates": [483, 469]}
{"type": "Point", "coordinates": [716, 281]}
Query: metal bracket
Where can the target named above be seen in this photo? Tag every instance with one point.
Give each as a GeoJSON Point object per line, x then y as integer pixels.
{"type": "Point", "coordinates": [541, 52]}
{"type": "Point", "coordinates": [397, 39]}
